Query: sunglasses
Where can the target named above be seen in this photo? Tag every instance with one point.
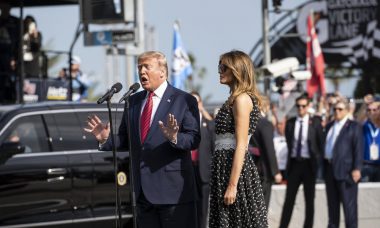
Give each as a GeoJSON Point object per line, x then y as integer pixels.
{"type": "Point", "coordinates": [300, 106]}
{"type": "Point", "coordinates": [338, 109]}
{"type": "Point", "coordinates": [222, 68]}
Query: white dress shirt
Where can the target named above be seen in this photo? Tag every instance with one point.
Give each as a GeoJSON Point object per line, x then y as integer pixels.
{"type": "Point", "coordinates": [281, 149]}
{"type": "Point", "coordinates": [305, 129]}
{"type": "Point", "coordinates": [330, 139]}
{"type": "Point", "coordinates": [158, 94]}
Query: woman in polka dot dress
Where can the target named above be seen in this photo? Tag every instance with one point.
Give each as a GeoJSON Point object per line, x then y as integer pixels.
{"type": "Point", "coordinates": [236, 198]}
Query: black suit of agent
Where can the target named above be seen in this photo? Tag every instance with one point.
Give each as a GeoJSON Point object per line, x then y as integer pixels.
{"type": "Point", "coordinates": [203, 169]}
{"type": "Point", "coordinates": [267, 162]}
{"type": "Point", "coordinates": [302, 167]}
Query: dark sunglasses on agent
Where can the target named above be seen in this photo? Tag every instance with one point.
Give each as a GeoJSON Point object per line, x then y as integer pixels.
{"type": "Point", "coordinates": [222, 68]}
{"type": "Point", "coordinates": [338, 109]}
{"type": "Point", "coordinates": [300, 106]}
{"type": "Point", "coordinates": [372, 109]}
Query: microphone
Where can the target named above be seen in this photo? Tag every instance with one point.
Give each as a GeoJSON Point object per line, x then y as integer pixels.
{"type": "Point", "coordinates": [131, 90]}
{"type": "Point", "coordinates": [114, 89]}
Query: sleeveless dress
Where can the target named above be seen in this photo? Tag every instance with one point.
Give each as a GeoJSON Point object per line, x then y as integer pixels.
{"type": "Point", "coordinates": [249, 208]}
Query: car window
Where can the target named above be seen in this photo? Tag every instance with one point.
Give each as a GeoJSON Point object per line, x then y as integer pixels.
{"type": "Point", "coordinates": [27, 133]}
{"type": "Point", "coordinates": [103, 115]}
{"type": "Point", "coordinates": [66, 130]}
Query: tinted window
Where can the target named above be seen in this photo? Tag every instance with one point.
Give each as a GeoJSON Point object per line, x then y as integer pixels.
{"type": "Point", "coordinates": [90, 139]}
{"type": "Point", "coordinates": [27, 133]}
{"type": "Point", "coordinates": [66, 130]}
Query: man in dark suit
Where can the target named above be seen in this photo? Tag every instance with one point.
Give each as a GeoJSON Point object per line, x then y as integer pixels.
{"type": "Point", "coordinates": [164, 126]}
{"type": "Point", "coordinates": [265, 156]}
{"type": "Point", "coordinates": [202, 161]}
{"type": "Point", "coordinates": [304, 138]}
{"type": "Point", "coordinates": [342, 163]}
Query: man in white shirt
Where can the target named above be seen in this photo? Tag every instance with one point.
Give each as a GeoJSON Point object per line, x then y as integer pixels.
{"type": "Point", "coordinates": [342, 164]}
{"type": "Point", "coordinates": [304, 140]}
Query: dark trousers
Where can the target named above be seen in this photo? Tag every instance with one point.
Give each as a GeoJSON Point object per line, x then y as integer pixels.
{"type": "Point", "coordinates": [165, 215]}
{"type": "Point", "coordinates": [203, 200]}
{"type": "Point", "coordinates": [337, 192]}
{"type": "Point", "coordinates": [266, 184]}
{"type": "Point", "coordinates": [299, 172]}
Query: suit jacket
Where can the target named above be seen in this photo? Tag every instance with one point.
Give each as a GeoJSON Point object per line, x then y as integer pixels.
{"type": "Point", "coordinates": [206, 148]}
{"type": "Point", "coordinates": [161, 169]}
{"type": "Point", "coordinates": [347, 150]}
{"type": "Point", "coordinates": [263, 139]}
{"type": "Point", "coordinates": [315, 140]}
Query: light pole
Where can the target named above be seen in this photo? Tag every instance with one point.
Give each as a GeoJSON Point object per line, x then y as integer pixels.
{"type": "Point", "coordinates": [266, 47]}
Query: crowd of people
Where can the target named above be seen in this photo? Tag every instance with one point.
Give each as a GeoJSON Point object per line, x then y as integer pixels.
{"type": "Point", "coordinates": [10, 48]}
{"type": "Point", "coordinates": [32, 59]}
{"type": "Point", "coordinates": [237, 155]}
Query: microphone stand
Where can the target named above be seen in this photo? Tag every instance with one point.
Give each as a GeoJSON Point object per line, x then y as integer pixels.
{"type": "Point", "coordinates": [115, 164]}
{"type": "Point", "coordinates": [132, 182]}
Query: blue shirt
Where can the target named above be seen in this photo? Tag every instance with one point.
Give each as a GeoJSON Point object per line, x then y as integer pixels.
{"type": "Point", "coordinates": [368, 140]}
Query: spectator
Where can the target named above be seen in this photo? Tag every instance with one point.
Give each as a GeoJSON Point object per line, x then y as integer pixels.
{"type": "Point", "coordinates": [371, 166]}
{"type": "Point", "coordinates": [201, 158]}
{"type": "Point", "coordinates": [342, 163]}
{"type": "Point", "coordinates": [9, 46]}
{"type": "Point", "coordinates": [62, 75]}
{"type": "Point", "coordinates": [80, 80]}
{"type": "Point", "coordinates": [264, 154]}
{"type": "Point", "coordinates": [362, 112]}
{"type": "Point", "coordinates": [32, 41]}
{"type": "Point", "coordinates": [281, 147]}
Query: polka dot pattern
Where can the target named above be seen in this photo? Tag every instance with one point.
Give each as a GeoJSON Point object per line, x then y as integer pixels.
{"type": "Point", "coordinates": [249, 209]}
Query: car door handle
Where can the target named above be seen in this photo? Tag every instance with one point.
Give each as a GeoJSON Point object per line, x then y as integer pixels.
{"type": "Point", "coordinates": [55, 179]}
{"type": "Point", "coordinates": [56, 171]}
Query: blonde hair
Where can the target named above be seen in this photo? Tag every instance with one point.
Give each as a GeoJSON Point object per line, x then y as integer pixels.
{"type": "Point", "coordinates": [162, 62]}
{"type": "Point", "coordinates": [376, 103]}
{"type": "Point", "coordinates": [244, 78]}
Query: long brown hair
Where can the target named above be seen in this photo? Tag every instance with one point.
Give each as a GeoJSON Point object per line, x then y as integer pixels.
{"type": "Point", "coordinates": [244, 78]}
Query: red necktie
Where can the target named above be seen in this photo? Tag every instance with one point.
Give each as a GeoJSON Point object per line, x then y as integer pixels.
{"type": "Point", "coordinates": [145, 117]}
{"type": "Point", "coordinates": [194, 156]}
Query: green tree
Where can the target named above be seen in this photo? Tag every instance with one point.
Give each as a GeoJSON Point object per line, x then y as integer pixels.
{"type": "Point", "coordinates": [200, 72]}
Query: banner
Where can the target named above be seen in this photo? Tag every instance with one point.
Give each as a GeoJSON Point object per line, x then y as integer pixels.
{"type": "Point", "coordinates": [36, 90]}
{"type": "Point", "coordinates": [348, 32]}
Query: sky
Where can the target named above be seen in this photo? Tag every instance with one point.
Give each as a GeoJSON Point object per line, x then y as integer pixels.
{"type": "Point", "coordinates": [208, 29]}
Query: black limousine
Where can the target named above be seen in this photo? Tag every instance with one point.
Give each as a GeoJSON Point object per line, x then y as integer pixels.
{"type": "Point", "coordinates": [51, 172]}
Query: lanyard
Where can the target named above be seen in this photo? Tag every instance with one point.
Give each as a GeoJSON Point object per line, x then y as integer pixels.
{"type": "Point", "coordinates": [373, 133]}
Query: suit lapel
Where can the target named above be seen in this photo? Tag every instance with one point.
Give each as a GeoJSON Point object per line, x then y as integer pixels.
{"type": "Point", "coordinates": [309, 129]}
{"type": "Point", "coordinates": [342, 131]}
{"type": "Point", "coordinates": [292, 128]}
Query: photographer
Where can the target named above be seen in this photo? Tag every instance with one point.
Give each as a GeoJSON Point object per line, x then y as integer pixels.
{"type": "Point", "coordinates": [32, 41]}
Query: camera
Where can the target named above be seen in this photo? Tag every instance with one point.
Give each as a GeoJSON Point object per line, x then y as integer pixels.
{"type": "Point", "coordinates": [32, 27]}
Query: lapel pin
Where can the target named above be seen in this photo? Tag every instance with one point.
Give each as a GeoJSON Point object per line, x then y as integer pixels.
{"type": "Point", "coordinates": [168, 100]}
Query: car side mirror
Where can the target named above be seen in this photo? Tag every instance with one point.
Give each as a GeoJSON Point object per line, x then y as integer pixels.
{"type": "Point", "coordinates": [8, 149]}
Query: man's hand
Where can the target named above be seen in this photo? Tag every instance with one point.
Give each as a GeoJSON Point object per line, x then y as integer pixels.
{"type": "Point", "coordinates": [368, 99]}
{"type": "Point", "coordinates": [99, 130]}
{"type": "Point", "coordinates": [278, 178]}
{"type": "Point", "coordinates": [356, 175]}
{"type": "Point", "coordinates": [170, 131]}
